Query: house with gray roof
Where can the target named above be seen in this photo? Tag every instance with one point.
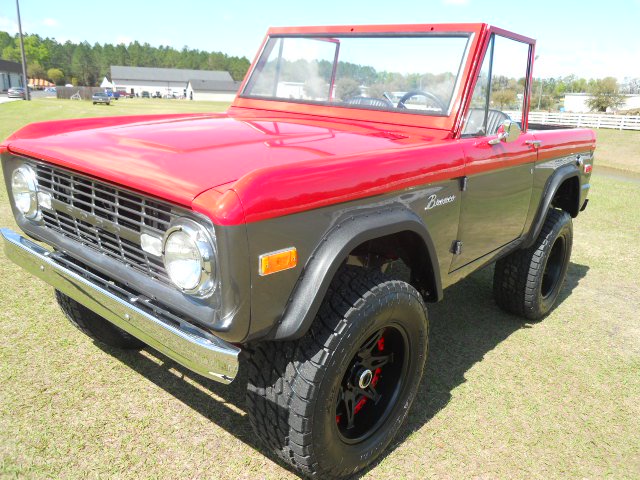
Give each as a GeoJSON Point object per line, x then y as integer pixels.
{"type": "Point", "coordinates": [166, 81]}
{"type": "Point", "coordinates": [10, 75]}
{"type": "Point", "coordinates": [212, 90]}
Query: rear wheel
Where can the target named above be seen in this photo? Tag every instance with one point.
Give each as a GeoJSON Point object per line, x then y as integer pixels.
{"type": "Point", "coordinates": [528, 282]}
{"type": "Point", "coordinates": [330, 403]}
{"type": "Point", "coordinates": [94, 326]}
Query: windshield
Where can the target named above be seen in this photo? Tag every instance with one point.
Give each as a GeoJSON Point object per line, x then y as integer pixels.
{"type": "Point", "coordinates": [415, 74]}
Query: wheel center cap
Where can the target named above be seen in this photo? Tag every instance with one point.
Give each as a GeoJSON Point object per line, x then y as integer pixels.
{"type": "Point", "coordinates": [364, 380]}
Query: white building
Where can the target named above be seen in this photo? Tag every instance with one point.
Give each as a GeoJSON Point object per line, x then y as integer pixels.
{"type": "Point", "coordinates": [166, 81]}
{"type": "Point", "coordinates": [577, 102]}
{"type": "Point", "coordinates": [293, 90]}
{"type": "Point", "coordinates": [212, 90]}
{"type": "Point", "coordinates": [10, 75]}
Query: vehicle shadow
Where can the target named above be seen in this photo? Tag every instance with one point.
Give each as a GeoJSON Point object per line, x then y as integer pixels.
{"type": "Point", "coordinates": [463, 328]}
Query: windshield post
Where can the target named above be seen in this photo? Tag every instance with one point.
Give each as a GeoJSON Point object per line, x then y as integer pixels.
{"type": "Point", "coordinates": [278, 67]}
{"type": "Point", "coordinates": [332, 84]}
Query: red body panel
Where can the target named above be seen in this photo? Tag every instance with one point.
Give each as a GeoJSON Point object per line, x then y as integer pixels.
{"type": "Point", "coordinates": [558, 143]}
{"type": "Point", "coordinates": [176, 159]}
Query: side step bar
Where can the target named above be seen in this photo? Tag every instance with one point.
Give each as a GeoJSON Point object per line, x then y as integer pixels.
{"type": "Point", "coordinates": [195, 349]}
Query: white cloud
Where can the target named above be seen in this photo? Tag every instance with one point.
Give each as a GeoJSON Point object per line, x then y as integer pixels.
{"type": "Point", "coordinates": [50, 22]}
{"type": "Point", "coordinates": [123, 39]}
{"type": "Point", "coordinates": [455, 2]}
{"type": "Point", "coordinates": [8, 25]}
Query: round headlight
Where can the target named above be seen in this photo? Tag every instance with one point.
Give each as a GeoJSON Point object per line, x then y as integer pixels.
{"type": "Point", "coordinates": [189, 257]}
{"type": "Point", "coordinates": [24, 189]}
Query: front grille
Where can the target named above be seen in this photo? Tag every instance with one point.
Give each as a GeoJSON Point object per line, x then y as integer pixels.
{"type": "Point", "coordinates": [106, 218]}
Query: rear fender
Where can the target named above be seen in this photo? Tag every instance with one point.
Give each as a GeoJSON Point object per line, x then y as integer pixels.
{"type": "Point", "coordinates": [551, 188]}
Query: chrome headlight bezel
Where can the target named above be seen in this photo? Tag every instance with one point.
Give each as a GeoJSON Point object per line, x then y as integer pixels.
{"type": "Point", "coordinates": [31, 181]}
{"type": "Point", "coordinates": [204, 243]}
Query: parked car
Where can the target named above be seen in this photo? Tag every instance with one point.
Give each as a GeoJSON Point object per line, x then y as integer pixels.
{"type": "Point", "coordinates": [101, 97]}
{"type": "Point", "coordinates": [16, 92]}
{"type": "Point", "coordinates": [145, 94]}
{"type": "Point", "coordinates": [309, 228]}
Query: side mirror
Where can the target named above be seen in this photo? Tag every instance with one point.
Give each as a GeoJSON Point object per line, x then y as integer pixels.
{"type": "Point", "coordinates": [508, 132]}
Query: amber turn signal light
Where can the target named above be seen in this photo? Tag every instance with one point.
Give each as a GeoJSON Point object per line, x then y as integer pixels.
{"type": "Point", "coordinates": [277, 261]}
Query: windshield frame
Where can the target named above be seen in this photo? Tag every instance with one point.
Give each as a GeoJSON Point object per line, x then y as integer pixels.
{"type": "Point", "coordinates": [336, 39]}
{"type": "Point", "coordinates": [476, 32]}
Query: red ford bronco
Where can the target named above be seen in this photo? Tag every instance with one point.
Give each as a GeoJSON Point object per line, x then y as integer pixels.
{"type": "Point", "coordinates": [360, 171]}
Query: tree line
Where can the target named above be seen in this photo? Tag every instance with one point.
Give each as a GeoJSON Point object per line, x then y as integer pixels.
{"type": "Point", "coordinates": [548, 93]}
{"type": "Point", "coordinates": [86, 64]}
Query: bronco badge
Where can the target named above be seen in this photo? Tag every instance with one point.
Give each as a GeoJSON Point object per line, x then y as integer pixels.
{"type": "Point", "coordinates": [434, 201]}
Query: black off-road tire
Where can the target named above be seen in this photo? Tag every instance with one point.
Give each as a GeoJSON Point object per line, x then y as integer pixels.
{"type": "Point", "coordinates": [528, 282]}
{"type": "Point", "coordinates": [295, 388]}
{"type": "Point", "coordinates": [96, 327]}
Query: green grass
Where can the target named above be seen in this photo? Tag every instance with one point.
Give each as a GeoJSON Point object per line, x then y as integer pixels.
{"type": "Point", "coordinates": [500, 398]}
{"type": "Point", "coordinates": [619, 149]}
{"type": "Point", "coordinates": [14, 115]}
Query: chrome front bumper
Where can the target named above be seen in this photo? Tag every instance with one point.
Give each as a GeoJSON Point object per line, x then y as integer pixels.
{"type": "Point", "coordinates": [195, 349]}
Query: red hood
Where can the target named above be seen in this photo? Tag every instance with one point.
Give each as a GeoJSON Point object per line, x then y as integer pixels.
{"type": "Point", "coordinates": [177, 157]}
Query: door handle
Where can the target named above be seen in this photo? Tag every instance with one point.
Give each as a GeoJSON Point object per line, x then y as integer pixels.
{"type": "Point", "coordinates": [534, 143]}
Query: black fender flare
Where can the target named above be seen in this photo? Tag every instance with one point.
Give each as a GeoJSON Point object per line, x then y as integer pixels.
{"type": "Point", "coordinates": [552, 185]}
{"type": "Point", "coordinates": [333, 249]}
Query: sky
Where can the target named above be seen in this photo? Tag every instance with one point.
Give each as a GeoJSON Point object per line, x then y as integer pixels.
{"type": "Point", "coordinates": [588, 39]}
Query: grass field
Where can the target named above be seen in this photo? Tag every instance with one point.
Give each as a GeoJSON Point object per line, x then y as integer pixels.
{"type": "Point", "coordinates": [500, 398]}
{"type": "Point", "coordinates": [619, 149]}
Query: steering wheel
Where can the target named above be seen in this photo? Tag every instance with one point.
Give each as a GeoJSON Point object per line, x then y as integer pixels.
{"type": "Point", "coordinates": [369, 102]}
{"type": "Point", "coordinates": [429, 95]}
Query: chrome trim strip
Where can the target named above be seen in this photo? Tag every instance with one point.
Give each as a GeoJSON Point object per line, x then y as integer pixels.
{"type": "Point", "coordinates": [195, 349]}
{"type": "Point", "coordinates": [558, 162]}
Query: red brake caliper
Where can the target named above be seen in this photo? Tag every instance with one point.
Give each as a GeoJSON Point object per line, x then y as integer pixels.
{"type": "Point", "coordinates": [376, 374]}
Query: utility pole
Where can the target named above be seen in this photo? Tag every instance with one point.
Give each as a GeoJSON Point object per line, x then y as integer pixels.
{"type": "Point", "coordinates": [27, 95]}
{"type": "Point", "coordinates": [540, 94]}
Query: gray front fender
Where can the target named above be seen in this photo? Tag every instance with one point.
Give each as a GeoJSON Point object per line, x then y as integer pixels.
{"type": "Point", "coordinates": [332, 251]}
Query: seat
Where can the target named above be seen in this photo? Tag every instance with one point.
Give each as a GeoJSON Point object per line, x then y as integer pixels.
{"type": "Point", "coordinates": [475, 120]}
{"type": "Point", "coordinates": [494, 120]}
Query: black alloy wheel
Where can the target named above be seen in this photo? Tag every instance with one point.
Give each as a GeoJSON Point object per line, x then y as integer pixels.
{"type": "Point", "coordinates": [371, 384]}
